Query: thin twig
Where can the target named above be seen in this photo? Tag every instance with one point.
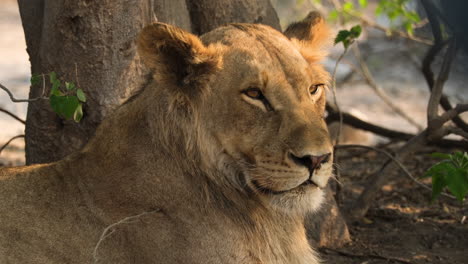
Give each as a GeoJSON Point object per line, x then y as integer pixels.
{"type": "Point", "coordinates": [109, 230]}
{"type": "Point", "coordinates": [394, 159]}
{"type": "Point", "coordinates": [13, 115]}
{"type": "Point", "coordinates": [9, 141]}
{"type": "Point", "coordinates": [13, 99]}
{"type": "Point", "coordinates": [335, 100]}
{"type": "Point", "coordinates": [378, 90]}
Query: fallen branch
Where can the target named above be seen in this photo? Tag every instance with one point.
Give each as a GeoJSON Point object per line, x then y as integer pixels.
{"type": "Point", "coordinates": [13, 115]}
{"type": "Point", "coordinates": [9, 141]}
{"type": "Point", "coordinates": [357, 123]}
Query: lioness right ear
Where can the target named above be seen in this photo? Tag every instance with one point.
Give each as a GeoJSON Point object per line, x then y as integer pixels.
{"type": "Point", "coordinates": [311, 35]}
{"type": "Point", "coordinates": [177, 57]}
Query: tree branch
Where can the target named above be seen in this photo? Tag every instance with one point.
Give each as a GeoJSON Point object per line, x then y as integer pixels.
{"type": "Point", "coordinates": [439, 43]}
{"type": "Point", "coordinates": [436, 93]}
{"type": "Point", "coordinates": [13, 99]}
{"type": "Point", "coordinates": [367, 22]}
{"type": "Point", "coordinates": [9, 141]}
{"type": "Point", "coordinates": [13, 115]}
{"type": "Point", "coordinates": [379, 92]}
{"type": "Point", "coordinates": [355, 122]}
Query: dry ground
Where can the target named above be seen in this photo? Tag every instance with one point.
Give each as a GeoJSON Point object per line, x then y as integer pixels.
{"type": "Point", "coordinates": [402, 226]}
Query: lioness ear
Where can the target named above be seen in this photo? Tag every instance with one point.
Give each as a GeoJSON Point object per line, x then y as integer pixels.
{"type": "Point", "coordinates": [311, 35]}
{"type": "Point", "coordinates": [177, 57]}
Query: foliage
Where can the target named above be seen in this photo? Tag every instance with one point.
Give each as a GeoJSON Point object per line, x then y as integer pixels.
{"type": "Point", "coordinates": [65, 99]}
{"type": "Point", "coordinates": [451, 172]}
{"type": "Point", "coordinates": [397, 11]}
{"type": "Point", "coordinates": [347, 37]}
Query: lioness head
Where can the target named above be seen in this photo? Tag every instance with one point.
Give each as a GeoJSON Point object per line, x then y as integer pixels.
{"type": "Point", "coordinates": [254, 103]}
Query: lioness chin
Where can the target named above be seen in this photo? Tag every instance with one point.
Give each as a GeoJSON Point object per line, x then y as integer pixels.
{"type": "Point", "coordinates": [216, 161]}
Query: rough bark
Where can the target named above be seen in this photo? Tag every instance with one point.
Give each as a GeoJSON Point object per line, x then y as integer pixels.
{"type": "Point", "coordinates": [207, 14]}
{"type": "Point", "coordinates": [92, 44]}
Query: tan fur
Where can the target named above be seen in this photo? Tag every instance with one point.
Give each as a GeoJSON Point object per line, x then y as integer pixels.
{"type": "Point", "coordinates": [176, 174]}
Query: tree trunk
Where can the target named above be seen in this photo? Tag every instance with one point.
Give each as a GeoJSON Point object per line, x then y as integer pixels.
{"type": "Point", "coordinates": [91, 43]}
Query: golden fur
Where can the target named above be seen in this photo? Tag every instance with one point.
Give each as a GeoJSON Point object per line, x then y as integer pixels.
{"type": "Point", "coordinates": [192, 169]}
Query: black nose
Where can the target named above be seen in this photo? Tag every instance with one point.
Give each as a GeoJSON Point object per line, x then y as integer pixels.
{"type": "Point", "coordinates": [311, 162]}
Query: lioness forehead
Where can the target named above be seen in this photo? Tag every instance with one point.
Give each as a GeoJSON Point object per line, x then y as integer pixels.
{"type": "Point", "coordinates": [262, 48]}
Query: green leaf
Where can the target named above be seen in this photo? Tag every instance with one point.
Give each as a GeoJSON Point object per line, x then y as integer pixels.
{"type": "Point", "coordinates": [441, 155]}
{"type": "Point", "coordinates": [70, 105]}
{"type": "Point", "coordinates": [342, 36]}
{"type": "Point", "coordinates": [55, 88]}
{"type": "Point", "coordinates": [437, 169]}
{"type": "Point", "coordinates": [348, 6]}
{"type": "Point", "coordinates": [333, 15]}
{"type": "Point", "coordinates": [81, 95]}
{"type": "Point", "coordinates": [64, 106]}
{"type": "Point", "coordinates": [52, 77]}
{"type": "Point", "coordinates": [363, 3]}
{"type": "Point", "coordinates": [69, 86]}
{"type": "Point", "coordinates": [457, 182]}
{"type": "Point", "coordinates": [78, 115]}
{"type": "Point", "coordinates": [356, 31]}
{"type": "Point", "coordinates": [35, 79]}
{"type": "Point", "coordinates": [438, 184]}
{"type": "Point", "coordinates": [56, 102]}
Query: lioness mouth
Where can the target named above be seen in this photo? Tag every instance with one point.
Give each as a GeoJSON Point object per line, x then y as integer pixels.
{"type": "Point", "coordinates": [270, 191]}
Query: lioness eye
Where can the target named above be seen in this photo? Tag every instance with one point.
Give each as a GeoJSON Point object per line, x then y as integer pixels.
{"type": "Point", "coordinates": [313, 89]}
{"type": "Point", "coordinates": [254, 93]}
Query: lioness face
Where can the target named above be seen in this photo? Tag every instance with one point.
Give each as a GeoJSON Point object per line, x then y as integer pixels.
{"type": "Point", "coordinates": [256, 99]}
{"type": "Point", "coordinates": [266, 111]}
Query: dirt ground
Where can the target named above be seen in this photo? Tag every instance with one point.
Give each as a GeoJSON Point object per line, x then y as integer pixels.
{"type": "Point", "coordinates": [402, 226]}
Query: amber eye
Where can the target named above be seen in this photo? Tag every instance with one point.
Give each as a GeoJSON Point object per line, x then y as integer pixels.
{"type": "Point", "coordinates": [313, 89]}
{"type": "Point", "coordinates": [253, 93]}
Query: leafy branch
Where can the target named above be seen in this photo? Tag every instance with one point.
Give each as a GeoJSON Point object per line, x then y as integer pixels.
{"type": "Point", "coordinates": [66, 100]}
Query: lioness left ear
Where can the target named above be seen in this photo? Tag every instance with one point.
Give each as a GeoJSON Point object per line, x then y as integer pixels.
{"type": "Point", "coordinates": [311, 35]}
{"type": "Point", "coordinates": [177, 57]}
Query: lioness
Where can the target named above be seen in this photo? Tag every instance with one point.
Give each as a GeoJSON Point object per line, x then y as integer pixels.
{"type": "Point", "coordinates": [216, 161]}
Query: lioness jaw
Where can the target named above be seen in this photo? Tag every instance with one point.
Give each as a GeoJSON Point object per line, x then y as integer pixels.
{"type": "Point", "coordinates": [216, 161]}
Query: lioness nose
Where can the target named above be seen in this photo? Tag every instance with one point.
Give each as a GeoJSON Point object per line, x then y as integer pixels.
{"type": "Point", "coordinates": [309, 161]}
